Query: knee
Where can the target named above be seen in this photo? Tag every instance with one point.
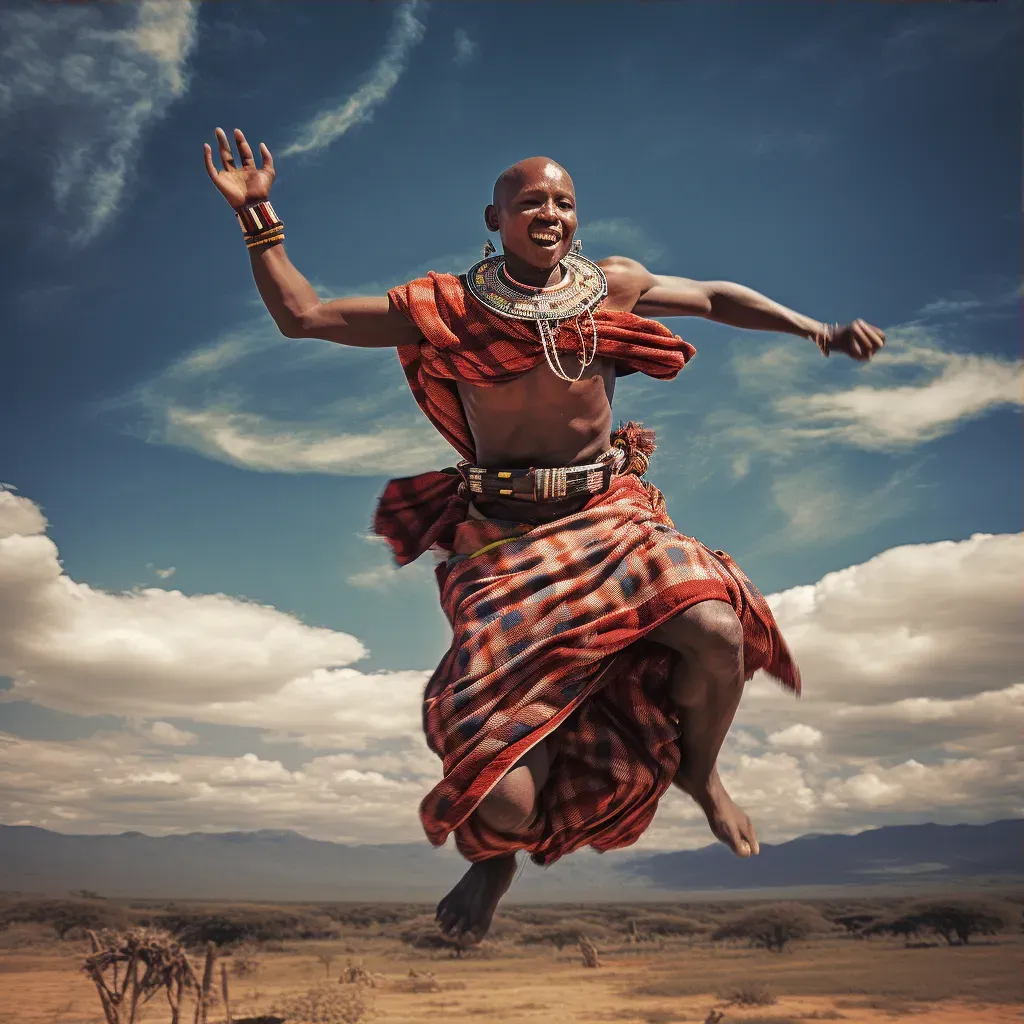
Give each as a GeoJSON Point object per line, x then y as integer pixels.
{"type": "Point", "coordinates": [709, 633]}
{"type": "Point", "coordinates": [717, 628]}
{"type": "Point", "coordinates": [508, 807]}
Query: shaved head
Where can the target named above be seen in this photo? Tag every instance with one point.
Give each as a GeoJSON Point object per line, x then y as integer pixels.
{"type": "Point", "coordinates": [534, 211]}
{"type": "Point", "coordinates": [512, 179]}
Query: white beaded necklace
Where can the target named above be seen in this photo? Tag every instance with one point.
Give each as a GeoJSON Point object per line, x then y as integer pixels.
{"type": "Point", "coordinates": [580, 291]}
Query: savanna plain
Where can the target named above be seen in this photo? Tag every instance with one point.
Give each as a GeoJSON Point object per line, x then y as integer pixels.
{"type": "Point", "coordinates": [951, 958]}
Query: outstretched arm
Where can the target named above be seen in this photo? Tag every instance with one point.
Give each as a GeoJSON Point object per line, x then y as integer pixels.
{"type": "Point", "coordinates": [732, 304]}
{"type": "Point", "coordinates": [366, 322]}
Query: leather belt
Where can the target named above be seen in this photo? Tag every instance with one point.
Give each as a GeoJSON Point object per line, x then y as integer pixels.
{"type": "Point", "coordinates": [546, 484]}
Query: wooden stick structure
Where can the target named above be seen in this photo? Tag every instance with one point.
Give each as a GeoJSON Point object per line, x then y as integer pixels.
{"type": "Point", "coordinates": [129, 968]}
{"type": "Point", "coordinates": [224, 993]}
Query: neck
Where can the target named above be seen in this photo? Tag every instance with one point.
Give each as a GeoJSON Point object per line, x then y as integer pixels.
{"type": "Point", "coordinates": [536, 277]}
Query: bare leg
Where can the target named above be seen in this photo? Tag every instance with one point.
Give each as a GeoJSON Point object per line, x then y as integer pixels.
{"type": "Point", "coordinates": [706, 687]}
{"type": "Point", "coordinates": [466, 912]}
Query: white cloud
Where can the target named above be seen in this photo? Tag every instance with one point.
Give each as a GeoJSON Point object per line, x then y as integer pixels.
{"type": "Point", "coordinates": [275, 446]}
{"type": "Point", "coordinates": [792, 412]}
{"type": "Point", "coordinates": [798, 736]}
{"type": "Point", "coordinates": [620, 236]}
{"type": "Point", "coordinates": [899, 416]}
{"type": "Point", "coordinates": [166, 574]}
{"type": "Point", "coordinates": [406, 32]}
{"type": "Point", "coordinates": [83, 82]}
{"type": "Point", "coordinates": [164, 734]}
{"type": "Point", "coordinates": [913, 706]}
{"type": "Point", "coordinates": [465, 48]}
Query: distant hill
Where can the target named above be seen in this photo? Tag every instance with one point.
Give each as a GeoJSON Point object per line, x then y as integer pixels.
{"type": "Point", "coordinates": [883, 856]}
{"type": "Point", "coordinates": [272, 865]}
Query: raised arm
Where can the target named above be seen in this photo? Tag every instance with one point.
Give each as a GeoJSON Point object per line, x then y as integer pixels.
{"type": "Point", "coordinates": [732, 304]}
{"type": "Point", "coordinates": [365, 322]}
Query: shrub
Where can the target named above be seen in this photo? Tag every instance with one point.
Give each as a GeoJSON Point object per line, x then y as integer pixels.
{"type": "Point", "coordinates": [227, 927]}
{"type": "Point", "coordinates": [751, 993]}
{"type": "Point", "coordinates": [774, 926]}
{"type": "Point", "coordinates": [564, 933]}
{"type": "Point", "coordinates": [955, 920]}
{"type": "Point", "coordinates": [664, 924]}
{"type": "Point", "coordinates": [64, 915]}
{"type": "Point", "coordinates": [326, 1004]}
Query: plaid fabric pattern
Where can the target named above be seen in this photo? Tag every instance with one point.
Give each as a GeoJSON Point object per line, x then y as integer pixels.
{"type": "Point", "coordinates": [548, 634]}
{"type": "Point", "coordinates": [463, 340]}
{"type": "Point", "coordinates": [549, 620]}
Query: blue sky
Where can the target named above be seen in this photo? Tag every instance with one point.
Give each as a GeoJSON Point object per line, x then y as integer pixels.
{"type": "Point", "coordinates": [849, 160]}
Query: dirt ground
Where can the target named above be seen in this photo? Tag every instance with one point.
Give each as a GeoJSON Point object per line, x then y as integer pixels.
{"type": "Point", "coordinates": [829, 979]}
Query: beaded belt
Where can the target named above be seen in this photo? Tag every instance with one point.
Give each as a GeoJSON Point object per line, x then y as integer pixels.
{"type": "Point", "coordinates": [544, 484]}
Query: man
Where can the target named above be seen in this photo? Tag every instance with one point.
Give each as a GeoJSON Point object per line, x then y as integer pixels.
{"type": "Point", "coordinates": [598, 655]}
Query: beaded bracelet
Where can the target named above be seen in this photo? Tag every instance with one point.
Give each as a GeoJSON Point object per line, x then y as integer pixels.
{"type": "Point", "coordinates": [257, 217]}
{"type": "Point", "coordinates": [823, 339]}
{"type": "Point", "coordinates": [257, 241]}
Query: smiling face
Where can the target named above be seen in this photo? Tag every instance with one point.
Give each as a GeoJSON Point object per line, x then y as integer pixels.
{"type": "Point", "coordinates": [534, 210]}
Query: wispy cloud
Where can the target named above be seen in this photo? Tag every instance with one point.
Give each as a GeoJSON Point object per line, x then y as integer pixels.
{"type": "Point", "coordinates": [620, 236]}
{"type": "Point", "coordinates": [83, 82]}
{"type": "Point", "coordinates": [900, 416]}
{"type": "Point", "coordinates": [465, 48]}
{"type": "Point", "coordinates": [406, 32]}
{"type": "Point", "coordinates": [948, 388]}
{"type": "Point", "coordinates": [270, 445]}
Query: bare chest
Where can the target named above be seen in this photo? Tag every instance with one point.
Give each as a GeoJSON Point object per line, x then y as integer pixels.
{"type": "Point", "coordinates": [539, 419]}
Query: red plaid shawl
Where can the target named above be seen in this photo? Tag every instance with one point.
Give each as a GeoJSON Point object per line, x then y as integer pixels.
{"type": "Point", "coordinates": [463, 340]}
{"type": "Point", "coordinates": [548, 627]}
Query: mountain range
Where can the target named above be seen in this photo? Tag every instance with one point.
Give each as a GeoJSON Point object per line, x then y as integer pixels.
{"type": "Point", "coordinates": [272, 865]}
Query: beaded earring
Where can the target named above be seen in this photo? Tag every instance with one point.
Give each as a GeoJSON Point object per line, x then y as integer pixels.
{"type": "Point", "coordinates": [489, 249]}
{"type": "Point", "coordinates": [577, 245]}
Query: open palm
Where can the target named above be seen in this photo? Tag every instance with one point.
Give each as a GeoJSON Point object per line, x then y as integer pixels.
{"type": "Point", "coordinates": [247, 183]}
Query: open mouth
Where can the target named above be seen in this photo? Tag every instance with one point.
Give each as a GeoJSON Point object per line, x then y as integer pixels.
{"type": "Point", "coordinates": [545, 239]}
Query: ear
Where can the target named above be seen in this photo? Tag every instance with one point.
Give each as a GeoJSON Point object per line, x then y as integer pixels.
{"type": "Point", "coordinates": [491, 217]}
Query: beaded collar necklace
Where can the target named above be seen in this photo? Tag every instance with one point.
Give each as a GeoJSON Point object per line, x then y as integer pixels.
{"type": "Point", "coordinates": [578, 293]}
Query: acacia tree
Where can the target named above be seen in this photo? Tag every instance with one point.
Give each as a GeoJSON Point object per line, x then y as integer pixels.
{"type": "Point", "coordinates": [773, 926]}
{"type": "Point", "coordinates": [955, 920]}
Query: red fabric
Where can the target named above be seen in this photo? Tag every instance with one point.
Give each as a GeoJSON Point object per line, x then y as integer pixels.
{"type": "Point", "coordinates": [463, 340]}
{"type": "Point", "coordinates": [547, 632]}
{"type": "Point", "coordinates": [548, 628]}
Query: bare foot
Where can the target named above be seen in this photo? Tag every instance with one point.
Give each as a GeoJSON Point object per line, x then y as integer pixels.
{"type": "Point", "coordinates": [729, 824]}
{"type": "Point", "coordinates": [465, 913]}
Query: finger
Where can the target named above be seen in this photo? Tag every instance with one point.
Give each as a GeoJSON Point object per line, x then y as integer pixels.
{"type": "Point", "coordinates": [226, 157]}
{"type": "Point", "coordinates": [244, 150]}
{"type": "Point", "coordinates": [208, 156]}
{"type": "Point", "coordinates": [755, 846]}
{"type": "Point", "coordinates": [268, 160]}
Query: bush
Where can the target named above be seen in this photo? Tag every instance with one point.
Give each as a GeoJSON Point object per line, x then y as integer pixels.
{"type": "Point", "coordinates": [64, 915]}
{"type": "Point", "coordinates": [327, 1004]}
{"type": "Point", "coordinates": [774, 926]}
{"type": "Point", "coordinates": [750, 993]}
{"type": "Point", "coordinates": [664, 924]}
{"type": "Point", "coordinates": [564, 933]}
{"type": "Point", "coordinates": [228, 927]}
{"type": "Point", "coordinates": [955, 920]}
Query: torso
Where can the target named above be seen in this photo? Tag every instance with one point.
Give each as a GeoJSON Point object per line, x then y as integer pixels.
{"type": "Point", "coordinates": [540, 420]}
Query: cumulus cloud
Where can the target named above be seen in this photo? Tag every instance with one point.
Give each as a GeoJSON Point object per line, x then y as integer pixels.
{"type": "Point", "coordinates": [154, 653]}
{"type": "Point", "coordinates": [406, 32]}
{"type": "Point", "coordinates": [913, 706]}
{"type": "Point", "coordinates": [84, 82]}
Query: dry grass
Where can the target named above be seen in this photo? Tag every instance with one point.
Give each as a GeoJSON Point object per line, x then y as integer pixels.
{"type": "Point", "coordinates": [678, 978]}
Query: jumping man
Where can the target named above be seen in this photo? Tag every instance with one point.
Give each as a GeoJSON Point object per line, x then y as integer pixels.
{"type": "Point", "coordinates": [598, 655]}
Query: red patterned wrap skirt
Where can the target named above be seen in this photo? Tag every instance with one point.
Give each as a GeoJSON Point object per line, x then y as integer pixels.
{"type": "Point", "coordinates": [548, 625]}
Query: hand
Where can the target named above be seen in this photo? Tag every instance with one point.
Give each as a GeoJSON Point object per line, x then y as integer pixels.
{"type": "Point", "coordinates": [240, 185]}
{"type": "Point", "coordinates": [858, 340]}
